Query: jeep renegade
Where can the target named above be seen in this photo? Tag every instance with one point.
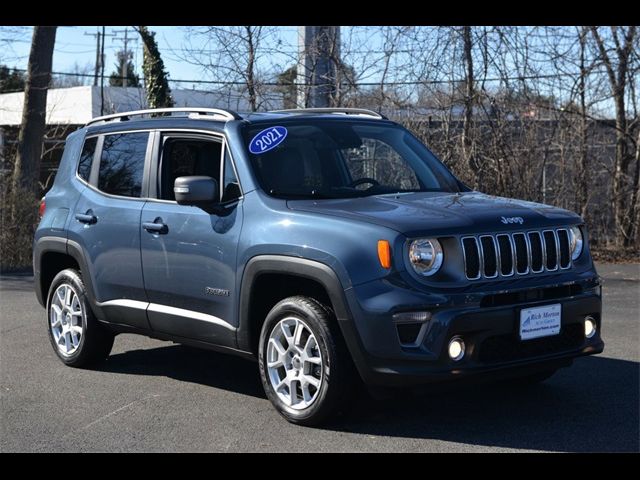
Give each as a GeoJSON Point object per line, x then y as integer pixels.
{"type": "Point", "coordinates": [330, 245]}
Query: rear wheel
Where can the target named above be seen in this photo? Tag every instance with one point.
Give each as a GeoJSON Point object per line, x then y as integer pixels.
{"type": "Point", "coordinates": [305, 367]}
{"type": "Point", "coordinates": [75, 334]}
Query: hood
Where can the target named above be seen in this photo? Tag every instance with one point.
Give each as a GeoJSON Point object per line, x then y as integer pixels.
{"type": "Point", "coordinates": [444, 213]}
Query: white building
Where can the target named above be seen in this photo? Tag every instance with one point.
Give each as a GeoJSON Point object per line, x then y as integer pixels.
{"type": "Point", "coordinates": [78, 105]}
{"type": "Point", "coordinates": [71, 108]}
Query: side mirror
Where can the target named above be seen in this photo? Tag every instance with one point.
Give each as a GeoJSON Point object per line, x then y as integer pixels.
{"type": "Point", "coordinates": [195, 190]}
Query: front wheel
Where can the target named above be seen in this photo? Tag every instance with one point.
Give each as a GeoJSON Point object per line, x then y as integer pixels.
{"type": "Point", "coordinates": [305, 367]}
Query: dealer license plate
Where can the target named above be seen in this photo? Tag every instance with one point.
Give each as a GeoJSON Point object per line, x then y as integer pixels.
{"type": "Point", "coordinates": [540, 321]}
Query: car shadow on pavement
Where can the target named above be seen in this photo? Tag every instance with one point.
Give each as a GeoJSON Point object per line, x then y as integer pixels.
{"type": "Point", "coordinates": [593, 405]}
{"type": "Point", "coordinates": [192, 365]}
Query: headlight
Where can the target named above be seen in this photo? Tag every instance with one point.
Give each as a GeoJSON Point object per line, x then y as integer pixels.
{"type": "Point", "coordinates": [575, 242]}
{"type": "Point", "coordinates": [426, 256]}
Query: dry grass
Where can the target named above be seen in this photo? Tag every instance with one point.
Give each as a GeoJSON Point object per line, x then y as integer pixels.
{"type": "Point", "coordinates": [18, 221]}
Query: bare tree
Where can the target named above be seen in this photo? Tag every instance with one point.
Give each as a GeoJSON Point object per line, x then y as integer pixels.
{"type": "Point", "coordinates": [27, 164]}
{"type": "Point", "coordinates": [231, 55]}
{"type": "Point", "coordinates": [615, 54]}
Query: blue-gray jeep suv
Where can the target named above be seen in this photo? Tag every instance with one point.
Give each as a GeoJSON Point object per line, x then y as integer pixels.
{"type": "Point", "coordinates": [330, 245]}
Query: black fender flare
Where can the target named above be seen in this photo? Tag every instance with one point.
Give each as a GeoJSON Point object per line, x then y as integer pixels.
{"type": "Point", "coordinates": [41, 246]}
{"type": "Point", "coordinates": [304, 268]}
{"type": "Point", "coordinates": [72, 249]}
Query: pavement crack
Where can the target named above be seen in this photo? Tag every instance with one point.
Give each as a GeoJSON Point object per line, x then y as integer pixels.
{"type": "Point", "coordinates": [114, 412]}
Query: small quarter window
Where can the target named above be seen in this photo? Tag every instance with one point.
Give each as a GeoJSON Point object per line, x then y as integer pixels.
{"type": "Point", "coordinates": [86, 158]}
{"type": "Point", "coordinates": [231, 188]}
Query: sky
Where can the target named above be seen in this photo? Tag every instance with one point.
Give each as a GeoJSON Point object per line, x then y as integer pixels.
{"type": "Point", "coordinates": [74, 46]}
{"type": "Point", "coordinates": [75, 50]}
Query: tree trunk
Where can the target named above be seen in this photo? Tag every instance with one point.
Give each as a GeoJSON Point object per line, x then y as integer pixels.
{"type": "Point", "coordinates": [251, 60]}
{"type": "Point", "coordinates": [26, 171]}
{"type": "Point", "coordinates": [467, 141]}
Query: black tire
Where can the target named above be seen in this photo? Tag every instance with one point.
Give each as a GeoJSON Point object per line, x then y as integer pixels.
{"type": "Point", "coordinates": [338, 373]}
{"type": "Point", "coordinates": [96, 340]}
{"type": "Point", "coordinates": [532, 379]}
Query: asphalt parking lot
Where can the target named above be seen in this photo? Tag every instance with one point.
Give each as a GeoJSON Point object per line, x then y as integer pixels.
{"type": "Point", "coordinates": [157, 396]}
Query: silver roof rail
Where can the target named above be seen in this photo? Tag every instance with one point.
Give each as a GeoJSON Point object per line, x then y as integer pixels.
{"type": "Point", "coordinates": [193, 112]}
{"type": "Point", "coordinates": [344, 111]}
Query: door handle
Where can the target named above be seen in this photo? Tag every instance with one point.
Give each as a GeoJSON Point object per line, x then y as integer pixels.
{"type": "Point", "coordinates": [156, 226]}
{"type": "Point", "coordinates": [88, 218]}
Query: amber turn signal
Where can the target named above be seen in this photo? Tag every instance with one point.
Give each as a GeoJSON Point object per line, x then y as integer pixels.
{"type": "Point", "coordinates": [384, 253]}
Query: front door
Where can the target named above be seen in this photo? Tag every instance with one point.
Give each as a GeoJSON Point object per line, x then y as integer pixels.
{"type": "Point", "coordinates": [189, 260]}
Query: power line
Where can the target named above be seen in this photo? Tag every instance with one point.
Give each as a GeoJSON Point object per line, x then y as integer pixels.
{"type": "Point", "coordinates": [356, 84]}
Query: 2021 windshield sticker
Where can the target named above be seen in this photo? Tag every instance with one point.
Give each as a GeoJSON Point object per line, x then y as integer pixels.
{"type": "Point", "coordinates": [267, 140]}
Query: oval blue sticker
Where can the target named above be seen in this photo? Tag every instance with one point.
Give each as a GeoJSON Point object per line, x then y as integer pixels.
{"type": "Point", "coordinates": [267, 140]}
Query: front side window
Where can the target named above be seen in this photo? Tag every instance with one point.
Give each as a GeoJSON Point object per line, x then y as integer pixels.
{"type": "Point", "coordinates": [122, 164]}
{"type": "Point", "coordinates": [327, 158]}
{"type": "Point", "coordinates": [183, 157]}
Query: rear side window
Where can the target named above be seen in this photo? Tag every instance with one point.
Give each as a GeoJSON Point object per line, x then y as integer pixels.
{"type": "Point", "coordinates": [122, 164]}
{"type": "Point", "coordinates": [86, 158]}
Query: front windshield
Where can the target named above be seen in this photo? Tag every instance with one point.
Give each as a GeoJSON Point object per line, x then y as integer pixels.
{"type": "Point", "coordinates": [339, 159]}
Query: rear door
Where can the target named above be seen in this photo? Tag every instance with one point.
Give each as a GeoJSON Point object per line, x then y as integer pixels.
{"type": "Point", "coordinates": [189, 264]}
{"type": "Point", "coordinates": [106, 222]}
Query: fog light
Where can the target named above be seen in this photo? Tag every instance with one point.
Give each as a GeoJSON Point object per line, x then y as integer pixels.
{"type": "Point", "coordinates": [589, 326]}
{"type": "Point", "coordinates": [456, 349]}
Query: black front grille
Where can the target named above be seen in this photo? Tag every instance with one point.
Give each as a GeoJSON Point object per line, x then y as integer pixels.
{"type": "Point", "coordinates": [520, 253]}
{"type": "Point", "coordinates": [506, 348]}
{"type": "Point", "coordinates": [408, 332]}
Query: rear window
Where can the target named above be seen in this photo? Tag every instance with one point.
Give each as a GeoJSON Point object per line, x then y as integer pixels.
{"type": "Point", "coordinates": [122, 164]}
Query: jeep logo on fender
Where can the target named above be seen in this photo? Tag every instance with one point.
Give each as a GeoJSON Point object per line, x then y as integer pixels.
{"type": "Point", "coordinates": [508, 220]}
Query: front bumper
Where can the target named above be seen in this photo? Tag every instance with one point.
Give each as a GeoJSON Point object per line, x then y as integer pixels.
{"type": "Point", "coordinates": [493, 347]}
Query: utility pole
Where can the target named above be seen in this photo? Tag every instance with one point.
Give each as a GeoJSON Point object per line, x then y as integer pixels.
{"type": "Point", "coordinates": [125, 39]}
{"type": "Point", "coordinates": [319, 56]}
{"type": "Point", "coordinates": [102, 73]}
{"type": "Point", "coordinates": [98, 37]}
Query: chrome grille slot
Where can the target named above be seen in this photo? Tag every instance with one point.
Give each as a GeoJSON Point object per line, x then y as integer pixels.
{"type": "Point", "coordinates": [565, 253]}
{"type": "Point", "coordinates": [519, 253]}
{"type": "Point", "coordinates": [522, 253]}
{"type": "Point", "coordinates": [471, 257]}
{"type": "Point", "coordinates": [550, 250]}
{"type": "Point", "coordinates": [536, 258]}
{"type": "Point", "coordinates": [489, 256]}
{"type": "Point", "coordinates": [505, 253]}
